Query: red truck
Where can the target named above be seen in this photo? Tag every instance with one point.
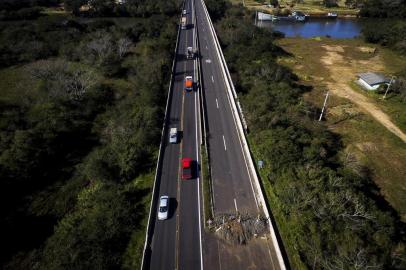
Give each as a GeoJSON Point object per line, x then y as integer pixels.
{"type": "Point", "coordinates": [186, 168]}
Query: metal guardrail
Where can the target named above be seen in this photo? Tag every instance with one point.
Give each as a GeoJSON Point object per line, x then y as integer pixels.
{"type": "Point", "coordinates": [154, 196]}
{"type": "Point", "coordinates": [232, 97]}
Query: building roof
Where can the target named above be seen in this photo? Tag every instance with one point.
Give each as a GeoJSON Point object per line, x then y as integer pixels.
{"type": "Point", "coordinates": [372, 78]}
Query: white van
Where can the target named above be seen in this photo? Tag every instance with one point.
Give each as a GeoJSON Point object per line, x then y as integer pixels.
{"type": "Point", "coordinates": [173, 135]}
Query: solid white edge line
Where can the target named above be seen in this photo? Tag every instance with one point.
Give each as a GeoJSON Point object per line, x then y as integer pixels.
{"type": "Point", "coordinates": [198, 200]}
{"type": "Point", "coordinates": [198, 190]}
{"type": "Point", "coordinates": [197, 155]}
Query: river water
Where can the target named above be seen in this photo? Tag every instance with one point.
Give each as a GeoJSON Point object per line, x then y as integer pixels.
{"type": "Point", "coordinates": [316, 27]}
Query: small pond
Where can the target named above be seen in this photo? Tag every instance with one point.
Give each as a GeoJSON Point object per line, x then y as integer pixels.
{"type": "Point", "coordinates": [315, 27]}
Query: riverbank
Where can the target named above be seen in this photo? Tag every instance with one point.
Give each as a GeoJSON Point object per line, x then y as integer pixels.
{"type": "Point", "coordinates": [360, 118]}
{"type": "Point", "coordinates": [308, 7]}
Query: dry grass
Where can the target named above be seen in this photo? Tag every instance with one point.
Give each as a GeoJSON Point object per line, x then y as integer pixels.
{"type": "Point", "coordinates": [329, 64]}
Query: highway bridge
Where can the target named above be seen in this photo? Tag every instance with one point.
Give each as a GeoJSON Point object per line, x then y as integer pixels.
{"type": "Point", "coordinates": [181, 242]}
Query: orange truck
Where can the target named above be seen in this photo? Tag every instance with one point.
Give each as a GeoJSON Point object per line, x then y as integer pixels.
{"type": "Point", "coordinates": [189, 83]}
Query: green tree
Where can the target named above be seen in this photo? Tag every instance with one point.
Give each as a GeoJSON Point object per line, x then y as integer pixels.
{"type": "Point", "coordinates": [95, 235]}
{"type": "Point", "coordinates": [330, 3]}
{"type": "Point", "coordinates": [74, 5]}
{"type": "Point", "coordinates": [216, 8]}
{"type": "Point", "coordinates": [102, 7]}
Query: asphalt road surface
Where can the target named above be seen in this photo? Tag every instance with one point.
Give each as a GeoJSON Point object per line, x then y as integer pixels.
{"type": "Point", "coordinates": [231, 180]}
{"type": "Point", "coordinates": [176, 242]}
{"type": "Point", "coordinates": [180, 242]}
{"type": "Point", "coordinates": [232, 187]}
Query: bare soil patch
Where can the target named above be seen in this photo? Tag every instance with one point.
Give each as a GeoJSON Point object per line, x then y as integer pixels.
{"type": "Point", "coordinates": [367, 125]}
{"type": "Point", "coordinates": [343, 71]}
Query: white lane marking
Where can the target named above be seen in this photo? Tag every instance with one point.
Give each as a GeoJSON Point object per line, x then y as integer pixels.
{"type": "Point", "coordinates": [234, 118]}
{"type": "Point", "coordinates": [198, 189]}
{"type": "Point", "coordinates": [224, 141]}
{"type": "Point", "coordinates": [212, 78]}
{"type": "Point", "coordinates": [218, 251]}
{"type": "Point", "coordinates": [217, 103]}
{"type": "Point", "coordinates": [235, 204]}
{"type": "Point", "coordinates": [197, 153]}
{"type": "Point", "coordinates": [206, 47]}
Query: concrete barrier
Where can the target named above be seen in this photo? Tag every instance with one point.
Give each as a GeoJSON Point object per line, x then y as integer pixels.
{"type": "Point", "coordinates": [155, 193]}
{"type": "Point", "coordinates": [232, 96]}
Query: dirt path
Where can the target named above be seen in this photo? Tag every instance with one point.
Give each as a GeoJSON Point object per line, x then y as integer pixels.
{"type": "Point", "coordinates": [342, 72]}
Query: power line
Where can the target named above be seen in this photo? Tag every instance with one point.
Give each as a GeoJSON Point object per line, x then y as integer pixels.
{"type": "Point", "coordinates": [324, 106]}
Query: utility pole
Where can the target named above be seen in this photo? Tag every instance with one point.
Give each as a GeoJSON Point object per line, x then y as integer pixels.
{"type": "Point", "coordinates": [387, 89]}
{"type": "Point", "coordinates": [324, 106]}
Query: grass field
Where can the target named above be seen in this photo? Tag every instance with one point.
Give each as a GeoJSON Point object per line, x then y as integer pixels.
{"type": "Point", "coordinates": [366, 141]}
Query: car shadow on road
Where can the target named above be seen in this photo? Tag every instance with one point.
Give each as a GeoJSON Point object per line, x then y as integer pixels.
{"type": "Point", "coordinates": [195, 169]}
{"type": "Point", "coordinates": [173, 205]}
{"type": "Point", "coordinates": [180, 135]}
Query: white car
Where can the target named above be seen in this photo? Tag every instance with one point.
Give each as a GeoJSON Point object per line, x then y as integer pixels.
{"type": "Point", "coordinates": [163, 207]}
{"type": "Point", "coordinates": [184, 12]}
{"type": "Point", "coordinates": [173, 135]}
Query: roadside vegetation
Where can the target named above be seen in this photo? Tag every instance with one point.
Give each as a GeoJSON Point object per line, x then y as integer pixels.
{"type": "Point", "coordinates": [311, 7]}
{"type": "Point", "coordinates": [207, 184]}
{"type": "Point", "coordinates": [390, 30]}
{"type": "Point", "coordinates": [82, 103]}
{"type": "Point", "coordinates": [329, 212]}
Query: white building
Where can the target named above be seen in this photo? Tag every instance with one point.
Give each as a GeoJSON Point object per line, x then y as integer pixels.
{"type": "Point", "coordinates": [371, 80]}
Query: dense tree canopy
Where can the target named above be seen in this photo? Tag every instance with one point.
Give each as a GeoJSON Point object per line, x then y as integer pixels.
{"type": "Point", "coordinates": [384, 9]}
{"type": "Point", "coordinates": [81, 115]}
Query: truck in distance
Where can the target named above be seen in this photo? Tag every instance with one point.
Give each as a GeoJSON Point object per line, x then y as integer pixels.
{"type": "Point", "coordinates": [173, 135]}
{"type": "Point", "coordinates": [183, 22]}
{"type": "Point", "coordinates": [188, 83]}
